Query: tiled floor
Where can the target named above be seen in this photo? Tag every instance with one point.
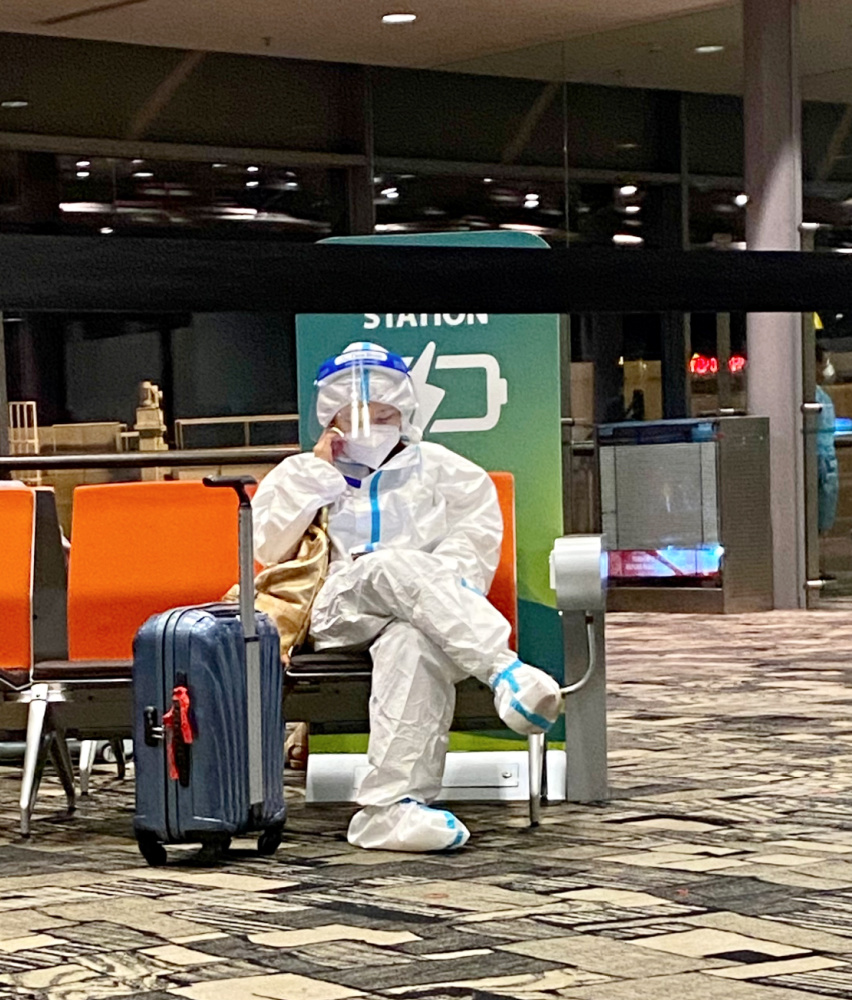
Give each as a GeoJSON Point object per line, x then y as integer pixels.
{"type": "Point", "coordinates": [722, 867]}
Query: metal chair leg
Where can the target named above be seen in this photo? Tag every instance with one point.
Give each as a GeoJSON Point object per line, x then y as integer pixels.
{"type": "Point", "coordinates": [88, 749]}
{"type": "Point", "coordinates": [64, 768]}
{"type": "Point", "coordinates": [120, 758]}
{"type": "Point", "coordinates": [35, 749]}
{"type": "Point", "coordinates": [535, 755]}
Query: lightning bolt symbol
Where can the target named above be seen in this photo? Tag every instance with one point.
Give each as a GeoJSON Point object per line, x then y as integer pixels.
{"type": "Point", "coordinates": [429, 396]}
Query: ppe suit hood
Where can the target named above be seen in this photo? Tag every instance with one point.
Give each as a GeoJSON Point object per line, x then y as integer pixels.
{"type": "Point", "coordinates": [366, 373]}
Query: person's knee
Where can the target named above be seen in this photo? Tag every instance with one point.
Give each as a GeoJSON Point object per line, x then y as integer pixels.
{"type": "Point", "coordinates": [402, 642]}
{"type": "Point", "coordinates": [405, 570]}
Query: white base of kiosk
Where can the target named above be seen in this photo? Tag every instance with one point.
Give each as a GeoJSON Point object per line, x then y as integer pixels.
{"type": "Point", "coordinates": [477, 776]}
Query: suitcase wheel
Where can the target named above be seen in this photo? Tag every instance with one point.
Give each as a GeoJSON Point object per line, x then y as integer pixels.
{"type": "Point", "coordinates": [269, 841]}
{"type": "Point", "coordinates": [151, 850]}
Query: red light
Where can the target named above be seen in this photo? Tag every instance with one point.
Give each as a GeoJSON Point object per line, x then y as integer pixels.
{"type": "Point", "coordinates": [700, 364]}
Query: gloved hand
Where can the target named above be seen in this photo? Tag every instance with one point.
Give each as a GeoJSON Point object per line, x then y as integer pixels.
{"type": "Point", "coordinates": [329, 445]}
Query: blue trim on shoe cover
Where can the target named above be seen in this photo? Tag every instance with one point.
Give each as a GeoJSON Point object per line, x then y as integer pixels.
{"type": "Point", "coordinates": [451, 823]}
{"type": "Point", "coordinates": [448, 816]}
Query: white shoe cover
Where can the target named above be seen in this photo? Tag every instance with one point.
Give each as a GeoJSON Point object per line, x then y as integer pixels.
{"type": "Point", "coordinates": [406, 826]}
{"type": "Point", "coordinates": [527, 699]}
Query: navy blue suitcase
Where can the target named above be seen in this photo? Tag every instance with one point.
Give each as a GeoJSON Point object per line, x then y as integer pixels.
{"type": "Point", "coordinates": [208, 721]}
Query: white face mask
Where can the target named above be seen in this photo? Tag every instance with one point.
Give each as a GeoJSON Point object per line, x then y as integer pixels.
{"type": "Point", "coordinates": [371, 450]}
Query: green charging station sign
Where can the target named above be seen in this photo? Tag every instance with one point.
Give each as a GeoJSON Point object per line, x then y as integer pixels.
{"type": "Point", "coordinates": [489, 389]}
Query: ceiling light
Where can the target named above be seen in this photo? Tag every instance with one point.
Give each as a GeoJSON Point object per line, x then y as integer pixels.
{"type": "Point", "coordinates": [83, 163]}
{"type": "Point", "coordinates": [709, 50]}
{"type": "Point", "coordinates": [218, 166]}
{"type": "Point", "coordinates": [627, 145]}
{"type": "Point", "coordinates": [628, 190]}
{"type": "Point", "coordinates": [137, 163]}
{"type": "Point", "coordinates": [14, 105]}
{"type": "Point", "coordinates": [843, 249]}
{"type": "Point", "coordinates": [809, 227]}
{"type": "Point", "coordinates": [106, 230]}
{"type": "Point", "coordinates": [83, 174]}
{"type": "Point", "coordinates": [252, 184]}
{"type": "Point", "coordinates": [253, 170]}
{"type": "Point", "coordinates": [291, 185]}
{"type": "Point", "coordinates": [143, 174]}
{"type": "Point", "coordinates": [487, 180]}
{"type": "Point", "coordinates": [390, 192]}
{"type": "Point", "coordinates": [400, 18]}
{"type": "Point", "coordinates": [741, 200]}
{"type": "Point", "coordinates": [84, 206]}
{"type": "Point", "coordinates": [524, 227]}
{"type": "Point", "coordinates": [627, 240]}
{"type": "Point", "coordinates": [632, 209]}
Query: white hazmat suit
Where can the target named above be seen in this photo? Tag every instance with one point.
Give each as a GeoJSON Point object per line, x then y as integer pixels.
{"type": "Point", "coordinates": [414, 545]}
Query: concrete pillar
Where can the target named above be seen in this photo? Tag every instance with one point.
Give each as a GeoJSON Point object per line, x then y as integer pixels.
{"type": "Point", "coordinates": [773, 175]}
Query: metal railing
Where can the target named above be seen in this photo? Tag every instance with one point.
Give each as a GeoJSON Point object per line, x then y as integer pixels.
{"type": "Point", "coordinates": [152, 459]}
{"type": "Point", "coordinates": [247, 423]}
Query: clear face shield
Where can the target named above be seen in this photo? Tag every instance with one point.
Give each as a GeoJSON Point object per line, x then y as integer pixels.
{"type": "Point", "coordinates": [366, 396]}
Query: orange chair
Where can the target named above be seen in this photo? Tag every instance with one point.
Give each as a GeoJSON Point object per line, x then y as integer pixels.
{"type": "Point", "coordinates": [504, 588]}
{"type": "Point", "coordinates": [17, 529]}
{"type": "Point", "coordinates": [331, 690]}
{"type": "Point", "coordinates": [137, 549]}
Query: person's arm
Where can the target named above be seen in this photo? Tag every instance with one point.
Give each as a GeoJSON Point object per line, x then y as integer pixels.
{"type": "Point", "coordinates": [475, 532]}
{"type": "Point", "coordinates": [287, 501]}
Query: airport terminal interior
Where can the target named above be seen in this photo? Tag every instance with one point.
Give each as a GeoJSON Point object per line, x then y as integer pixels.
{"type": "Point", "coordinates": [686, 830]}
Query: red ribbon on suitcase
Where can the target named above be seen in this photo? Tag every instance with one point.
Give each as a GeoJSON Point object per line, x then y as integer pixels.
{"type": "Point", "coordinates": [177, 725]}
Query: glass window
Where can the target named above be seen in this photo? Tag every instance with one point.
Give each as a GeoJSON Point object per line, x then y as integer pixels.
{"type": "Point", "coordinates": [114, 195]}
{"type": "Point", "coordinates": [417, 204]}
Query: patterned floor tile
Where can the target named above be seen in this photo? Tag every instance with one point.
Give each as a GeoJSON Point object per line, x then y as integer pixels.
{"type": "Point", "coordinates": [779, 968]}
{"type": "Point", "coordinates": [278, 987]}
{"type": "Point", "coordinates": [727, 841]}
{"type": "Point", "coordinates": [707, 942]}
{"type": "Point", "coordinates": [332, 932]}
{"type": "Point", "coordinates": [614, 958]}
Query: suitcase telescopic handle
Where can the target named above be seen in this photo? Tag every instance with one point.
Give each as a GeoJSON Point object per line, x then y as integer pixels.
{"type": "Point", "coordinates": [236, 483]}
{"type": "Point", "coordinates": [246, 558]}
{"type": "Point", "coordinates": [254, 710]}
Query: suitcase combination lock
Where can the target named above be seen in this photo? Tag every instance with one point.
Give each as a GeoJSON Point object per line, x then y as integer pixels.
{"type": "Point", "coordinates": [154, 732]}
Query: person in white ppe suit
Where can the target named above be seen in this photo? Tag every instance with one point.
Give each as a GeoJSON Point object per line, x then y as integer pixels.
{"type": "Point", "coordinates": [415, 534]}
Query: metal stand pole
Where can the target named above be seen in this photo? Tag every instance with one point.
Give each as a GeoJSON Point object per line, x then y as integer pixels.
{"type": "Point", "coordinates": [585, 710]}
